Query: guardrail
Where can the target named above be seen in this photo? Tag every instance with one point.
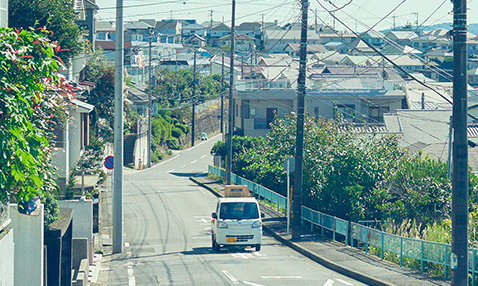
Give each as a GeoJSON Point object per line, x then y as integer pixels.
{"type": "Point", "coordinates": [355, 234]}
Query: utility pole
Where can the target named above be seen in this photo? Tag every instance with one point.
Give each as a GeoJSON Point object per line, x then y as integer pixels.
{"type": "Point", "coordinates": [150, 109]}
{"type": "Point", "coordinates": [416, 22]}
{"type": "Point", "coordinates": [117, 209]}
{"type": "Point", "coordinates": [222, 94]}
{"type": "Point", "coordinates": [194, 99]}
{"type": "Point", "coordinates": [299, 152]}
{"type": "Point", "coordinates": [459, 231]}
{"type": "Point", "coordinates": [231, 103]}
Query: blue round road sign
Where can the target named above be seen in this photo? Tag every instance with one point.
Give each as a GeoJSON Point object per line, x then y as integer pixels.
{"type": "Point", "coordinates": [109, 162]}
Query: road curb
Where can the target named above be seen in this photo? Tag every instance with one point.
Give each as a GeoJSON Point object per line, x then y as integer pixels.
{"type": "Point", "coordinates": [325, 262]}
{"type": "Point", "coordinates": [321, 260]}
{"type": "Point", "coordinates": [217, 194]}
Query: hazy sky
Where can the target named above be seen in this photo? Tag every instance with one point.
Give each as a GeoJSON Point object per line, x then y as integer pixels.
{"type": "Point", "coordinates": [355, 13]}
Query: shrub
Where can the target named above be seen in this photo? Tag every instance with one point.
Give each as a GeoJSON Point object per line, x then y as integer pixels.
{"type": "Point", "coordinates": [176, 132]}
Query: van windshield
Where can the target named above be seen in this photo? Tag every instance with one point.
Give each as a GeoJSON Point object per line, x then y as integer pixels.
{"type": "Point", "coordinates": [239, 210]}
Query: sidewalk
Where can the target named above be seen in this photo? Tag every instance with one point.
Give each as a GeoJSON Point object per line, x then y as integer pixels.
{"type": "Point", "coordinates": [343, 259]}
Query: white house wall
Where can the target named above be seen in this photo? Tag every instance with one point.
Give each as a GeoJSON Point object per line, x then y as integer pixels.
{"type": "Point", "coordinates": [7, 261]}
{"type": "Point", "coordinates": [75, 137]}
{"type": "Point", "coordinates": [140, 154]}
{"type": "Point", "coordinates": [28, 239]}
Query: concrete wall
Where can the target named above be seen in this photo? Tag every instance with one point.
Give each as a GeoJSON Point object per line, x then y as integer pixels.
{"type": "Point", "coordinates": [28, 240]}
{"type": "Point", "coordinates": [140, 153]}
{"type": "Point", "coordinates": [82, 220]}
{"type": "Point", "coordinates": [7, 261]}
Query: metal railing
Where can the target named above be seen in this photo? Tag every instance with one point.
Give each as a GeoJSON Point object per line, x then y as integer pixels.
{"type": "Point", "coordinates": [357, 235]}
{"type": "Point", "coordinates": [272, 198]}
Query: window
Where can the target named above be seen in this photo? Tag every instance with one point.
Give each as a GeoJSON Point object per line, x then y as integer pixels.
{"type": "Point", "coordinates": [347, 111]}
{"type": "Point", "coordinates": [58, 137]}
{"type": "Point", "coordinates": [376, 113]}
{"type": "Point", "coordinates": [271, 114]}
{"type": "Point", "coordinates": [316, 112]}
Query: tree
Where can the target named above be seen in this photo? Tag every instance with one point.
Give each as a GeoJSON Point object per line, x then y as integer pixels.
{"type": "Point", "coordinates": [102, 75]}
{"type": "Point", "coordinates": [58, 16]}
{"type": "Point", "coordinates": [31, 105]}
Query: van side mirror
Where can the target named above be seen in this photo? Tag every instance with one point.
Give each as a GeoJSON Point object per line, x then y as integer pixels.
{"type": "Point", "coordinates": [263, 215]}
{"type": "Point", "coordinates": [214, 215]}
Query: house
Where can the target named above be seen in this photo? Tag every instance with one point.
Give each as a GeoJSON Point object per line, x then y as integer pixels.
{"type": "Point", "coordinates": [359, 94]}
{"type": "Point", "coordinates": [373, 37]}
{"type": "Point", "coordinates": [401, 38]}
{"type": "Point", "coordinates": [242, 42]}
{"type": "Point", "coordinates": [294, 49]}
{"type": "Point", "coordinates": [438, 55]}
{"type": "Point", "coordinates": [136, 141]}
{"type": "Point", "coordinates": [137, 31]}
{"type": "Point", "coordinates": [86, 10]}
{"type": "Point", "coordinates": [359, 48]}
{"type": "Point", "coordinates": [408, 63]}
{"type": "Point", "coordinates": [195, 41]}
{"type": "Point", "coordinates": [194, 29]}
{"type": "Point", "coordinates": [336, 37]}
{"type": "Point", "coordinates": [428, 131]}
{"type": "Point", "coordinates": [252, 29]}
{"type": "Point", "coordinates": [400, 50]}
{"type": "Point", "coordinates": [169, 31]}
{"type": "Point", "coordinates": [219, 31]}
{"type": "Point", "coordinates": [438, 38]}
{"type": "Point", "coordinates": [105, 31]}
{"type": "Point", "coordinates": [71, 140]}
{"type": "Point", "coordinates": [338, 47]}
{"type": "Point", "coordinates": [275, 40]}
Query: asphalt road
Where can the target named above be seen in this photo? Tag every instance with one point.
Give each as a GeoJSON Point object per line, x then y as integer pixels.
{"type": "Point", "coordinates": [167, 236]}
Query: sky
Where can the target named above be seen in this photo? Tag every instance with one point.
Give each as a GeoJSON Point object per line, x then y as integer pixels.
{"type": "Point", "coordinates": [358, 15]}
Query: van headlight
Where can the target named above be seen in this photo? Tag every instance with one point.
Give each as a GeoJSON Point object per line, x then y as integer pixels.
{"type": "Point", "coordinates": [257, 224]}
{"type": "Point", "coordinates": [221, 224]}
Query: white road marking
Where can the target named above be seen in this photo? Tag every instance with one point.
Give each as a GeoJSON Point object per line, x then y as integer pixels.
{"type": "Point", "coordinates": [159, 164]}
{"type": "Point", "coordinates": [204, 220]}
{"type": "Point", "coordinates": [281, 277]}
{"type": "Point", "coordinates": [329, 282]}
{"type": "Point", "coordinates": [203, 156]}
{"type": "Point", "coordinates": [194, 161]}
{"type": "Point", "coordinates": [126, 244]}
{"type": "Point", "coordinates": [131, 278]}
{"type": "Point", "coordinates": [345, 282]}
{"type": "Point", "coordinates": [253, 284]}
{"type": "Point", "coordinates": [257, 254]}
{"type": "Point", "coordinates": [182, 166]}
{"type": "Point", "coordinates": [170, 171]}
{"type": "Point", "coordinates": [230, 277]}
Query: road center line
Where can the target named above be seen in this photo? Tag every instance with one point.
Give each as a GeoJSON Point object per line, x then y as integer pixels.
{"type": "Point", "coordinates": [345, 282]}
{"type": "Point", "coordinates": [329, 282]}
{"type": "Point", "coordinates": [281, 277]}
{"type": "Point", "coordinates": [203, 156]}
{"type": "Point", "coordinates": [253, 284]}
{"type": "Point", "coordinates": [230, 277]}
{"type": "Point", "coordinates": [194, 161]}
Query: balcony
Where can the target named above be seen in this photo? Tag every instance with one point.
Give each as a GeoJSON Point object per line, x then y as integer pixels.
{"type": "Point", "coordinates": [262, 84]}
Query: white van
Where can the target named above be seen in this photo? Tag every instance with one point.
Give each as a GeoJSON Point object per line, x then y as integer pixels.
{"type": "Point", "coordinates": [237, 222]}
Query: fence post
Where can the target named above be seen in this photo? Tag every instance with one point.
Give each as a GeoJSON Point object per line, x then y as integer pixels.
{"type": "Point", "coordinates": [383, 245]}
{"type": "Point", "coordinates": [447, 259]}
{"type": "Point", "coordinates": [366, 240]}
{"type": "Point", "coordinates": [401, 251]}
{"type": "Point", "coordinates": [423, 254]}
{"type": "Point", "coordinates": [473, 267]}
{"type": "Point", "coordinates": [334, 229]}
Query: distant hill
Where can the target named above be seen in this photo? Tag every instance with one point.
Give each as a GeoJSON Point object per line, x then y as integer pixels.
{"type": "Point", "coordinates": [472, 28]}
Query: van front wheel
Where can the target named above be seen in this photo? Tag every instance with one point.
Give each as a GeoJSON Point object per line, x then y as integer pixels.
{"type": "Point", "coordinates": [258, 247]}
{"type": "Point", "coordinates": [216, 247]}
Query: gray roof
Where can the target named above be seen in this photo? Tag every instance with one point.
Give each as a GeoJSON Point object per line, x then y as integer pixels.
{"type": "Point", "coordinates": [136, 25]}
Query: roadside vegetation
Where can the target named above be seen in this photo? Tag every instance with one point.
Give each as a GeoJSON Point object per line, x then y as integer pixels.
{"type": "Point", "coordinates": [356, 176]}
